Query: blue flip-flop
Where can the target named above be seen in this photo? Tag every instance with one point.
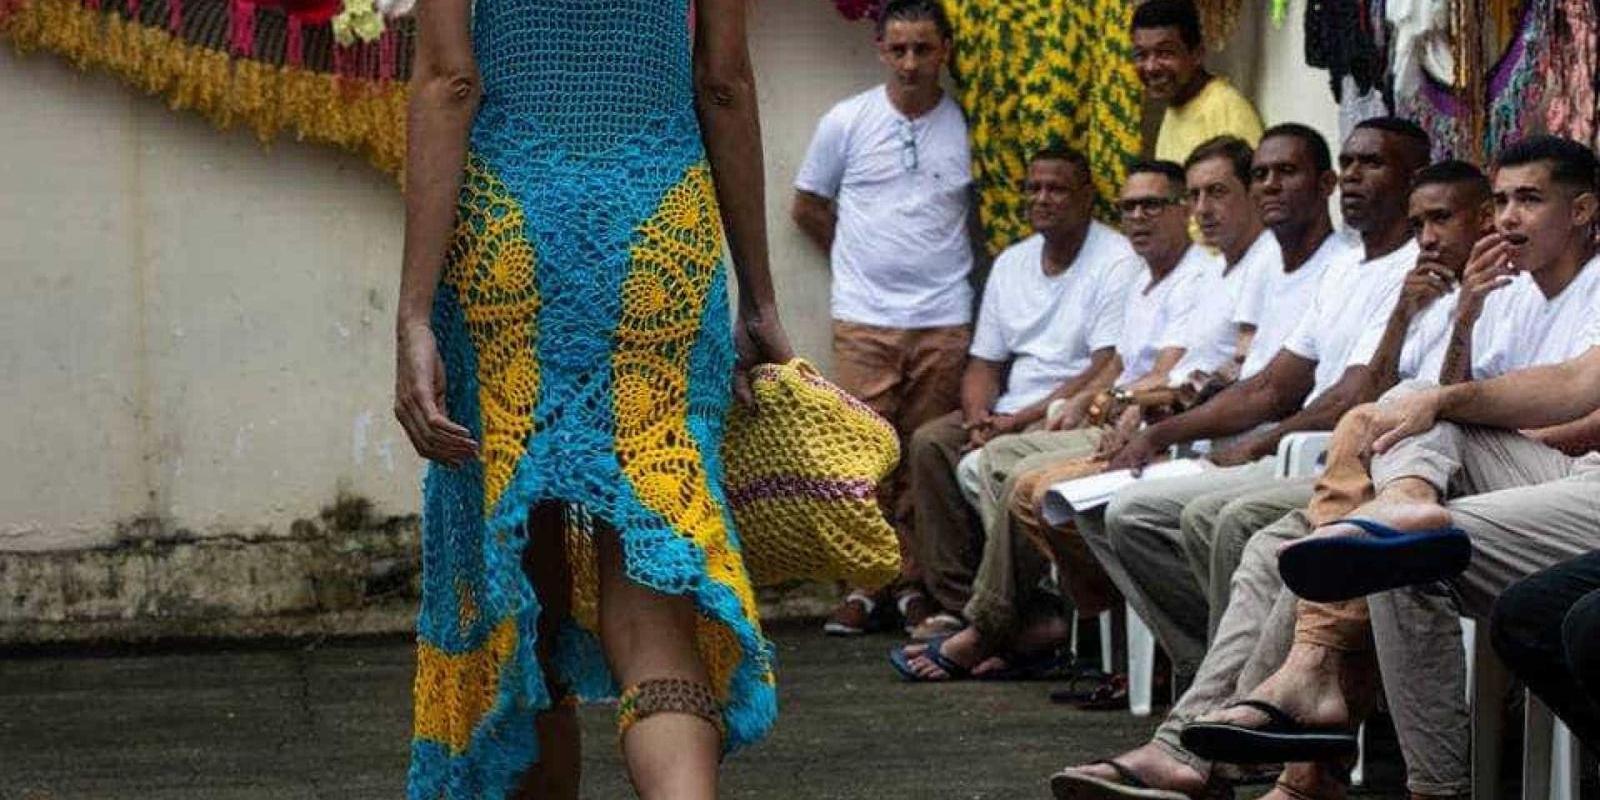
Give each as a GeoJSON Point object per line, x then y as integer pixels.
{"type": "Point", "coordinates": [1327, 569]}
{"type": "Point", "coordinates": [952, 670]}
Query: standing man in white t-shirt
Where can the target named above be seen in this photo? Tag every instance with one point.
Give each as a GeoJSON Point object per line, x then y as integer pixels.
{"type": "Point", "coordinates": [886, 190]}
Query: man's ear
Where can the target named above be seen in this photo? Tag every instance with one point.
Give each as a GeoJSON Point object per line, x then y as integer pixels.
{"type": "Point", "coordinates": [1327, 182]}
{"type": "Point", "coordinates": [1585, 209]}
{"type": "Point", "coordinates": [1486, 216]}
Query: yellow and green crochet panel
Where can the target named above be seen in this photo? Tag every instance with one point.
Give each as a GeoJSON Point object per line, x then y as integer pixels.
{"type": "Point", "coordinates": [1035, 73]}
{"type": "Point", "coordinates": [584, 323]}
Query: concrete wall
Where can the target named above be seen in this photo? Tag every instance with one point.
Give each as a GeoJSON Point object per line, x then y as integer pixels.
{"type": "Point", "coordinates": [199, 331]}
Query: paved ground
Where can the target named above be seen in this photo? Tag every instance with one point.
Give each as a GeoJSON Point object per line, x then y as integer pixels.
{"type": "Point", "coordinates": [331, 721]}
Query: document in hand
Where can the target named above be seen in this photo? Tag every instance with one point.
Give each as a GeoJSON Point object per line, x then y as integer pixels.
{"type": "Point", "coordinates": [1064, 499]}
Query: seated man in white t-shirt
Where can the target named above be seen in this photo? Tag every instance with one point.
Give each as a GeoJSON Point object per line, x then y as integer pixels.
{"type": "Point", "coordinates": [1010, 618]}
{"type": "Point", "coordinates": [1530, 289]}
{"type": "Point", "coordinates": [1448, 210]}
{"type": "Point", "coordinates": [1143, 538]}
{"type": "Point", "coordinates": [1217, 175]}
{"type": "Point", "coordinates": [1049, 324]}
{"type": "Point", "coordinates": [885, 189]}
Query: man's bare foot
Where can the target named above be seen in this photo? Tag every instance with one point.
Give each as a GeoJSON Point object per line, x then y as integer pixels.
{"type": "Point", "coordinates": [1400, 514]}
{"type": "Point", "coordinates": [1316, 686]}
{"type": "Point", "coordinates": [966, 649]}
{"type": "Point", "coordinates": [1309, 782]}
{"type": "Point", "coordinates": [1153, 765]}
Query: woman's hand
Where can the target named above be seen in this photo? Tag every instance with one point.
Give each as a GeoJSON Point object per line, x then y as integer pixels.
{"type": "Point", "coordinates": [419, 400]}
{"type": "Point", "coordinates": [758, 338]}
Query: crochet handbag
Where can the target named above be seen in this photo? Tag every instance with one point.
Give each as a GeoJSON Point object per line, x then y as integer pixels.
{"type": "Point", "coordinates": [802, 465]}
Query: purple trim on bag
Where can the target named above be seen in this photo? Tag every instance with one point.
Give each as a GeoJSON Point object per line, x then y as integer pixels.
{"type": "Point", "coordinates": [812, 488]}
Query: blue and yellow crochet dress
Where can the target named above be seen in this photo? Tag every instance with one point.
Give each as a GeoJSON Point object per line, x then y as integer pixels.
{"type": "Point", "coordinates": [583, 319]}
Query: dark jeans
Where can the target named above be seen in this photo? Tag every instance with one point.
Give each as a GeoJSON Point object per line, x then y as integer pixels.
{"type": "Point", "coordinates": [1546, 628]}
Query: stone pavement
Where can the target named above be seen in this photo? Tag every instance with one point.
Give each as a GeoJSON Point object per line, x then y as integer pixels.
{"type": "Point", "coordinates": [331, 720]}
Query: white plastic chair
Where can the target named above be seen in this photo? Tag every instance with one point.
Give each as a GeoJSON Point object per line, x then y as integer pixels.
{"type": "Point", "coordinates": [1551, 757]}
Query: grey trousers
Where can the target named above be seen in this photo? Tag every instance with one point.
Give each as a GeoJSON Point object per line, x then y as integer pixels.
{"type": "Point", "coordinates": [1216, 527]}
{"type": "Point", "coordinates": [1525, 507]}
{"type": "Point", "coordinates": [1139, 541]}
{"type": "Point", "coordinates": [1252, 638]}
{"type": "Point", "coordinates": [1005, 589]}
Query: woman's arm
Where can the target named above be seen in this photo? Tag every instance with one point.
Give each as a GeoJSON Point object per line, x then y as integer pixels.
{"type": "Point", "coordinates": [444, 97]}
{"type": "Point", "coordinates": [725, 93]}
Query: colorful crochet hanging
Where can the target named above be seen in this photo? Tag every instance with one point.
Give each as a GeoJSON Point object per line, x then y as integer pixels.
{"type": "Point", "coordinates": [271, 65]}
{"type": "Point", "coordinates": [1033, 73]}
{"type": "Point", "coordinates": [1572, 67]}
{"type": "Point", "coordinates": [1513, 93]}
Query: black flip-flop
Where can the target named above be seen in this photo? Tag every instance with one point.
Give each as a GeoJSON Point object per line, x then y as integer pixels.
{"type": "Point", "coordinates": [1282, 740]}
{"type": "Point", "coordinates": [1328, 569]}
{"type": "Point", "coordinates": [1070, 784]}
{"type": "Point", "coordinates": [1081, 684]}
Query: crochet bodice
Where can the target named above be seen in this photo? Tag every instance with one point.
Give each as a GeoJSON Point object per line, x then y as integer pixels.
{"type": "Point", "coordinates": [587, 76]}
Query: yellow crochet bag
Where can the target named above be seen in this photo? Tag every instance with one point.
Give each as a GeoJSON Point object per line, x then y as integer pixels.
{"type": "Point", "coordinates": [802, 465]}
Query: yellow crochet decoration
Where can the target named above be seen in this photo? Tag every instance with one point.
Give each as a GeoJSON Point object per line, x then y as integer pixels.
{"type": "Point", "coordinates": [802, 469]}
{"type": "Point", "coordinates": [1035, 73]}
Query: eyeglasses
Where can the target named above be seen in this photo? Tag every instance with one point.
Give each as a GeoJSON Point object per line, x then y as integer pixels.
{"type": "Point", "coordinates": [1146, 206]}
{"type": "Point", "coordinates": [908, 146]}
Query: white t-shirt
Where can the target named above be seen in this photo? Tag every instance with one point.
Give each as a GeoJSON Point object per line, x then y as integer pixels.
{"type": "Point", "coordinates": [1211, 333]}
{"type": "Point", "coordinates": [1518, 328]}
{"type": "Point", "coordinates": [1048, 326]}
{"type": "Point", "coordinates": [1528, 329]}
{"type": "Point", "coordinates": [1353, 298]}
{"type": "Point", "coordinates": [1427, 340]}
{"type": "Point", "coordinates": [901, 254]}
{"type": "Point", "coordinates": [1591, 334]}
{"type": "Point", "coordinates": [1154, 320]}
{"type": "Point", "coordinates": [1280, 300]}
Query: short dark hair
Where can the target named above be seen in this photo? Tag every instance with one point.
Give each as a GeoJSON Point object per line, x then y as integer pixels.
{"type": "Point", "coordinates": [1237, 151]}
{"type": "Point", "coordinates": [1571, 164]}
{"type": "Point", "coordinates": [1180, 14]}
{"type": "Point", "coordinates": [1063, 153]}
{"type": "Point", "coordinates": [1166, 169]}
{"type": "Point", "coordinates": [1453, 172]}
{"type": "Point", "coordinates": [915, 11]}
{"type": "Point", "coordinates": [1321, 156]}
{"type": "Point", "coordinates": [1420, 145]}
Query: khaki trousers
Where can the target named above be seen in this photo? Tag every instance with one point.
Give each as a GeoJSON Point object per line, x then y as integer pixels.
{"type": "Point", "coordinates": [1525, 507]}
{"type": "Point", "coordinates": [1006, 590]}
{"type": "Point", "coordinates": [907, 376]}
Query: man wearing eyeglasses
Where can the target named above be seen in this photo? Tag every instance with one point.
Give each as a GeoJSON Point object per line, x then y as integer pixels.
{"type": "Point", "coordinates": [885, 189]}
{"type": "Point", "coordinates": [1014, 626]}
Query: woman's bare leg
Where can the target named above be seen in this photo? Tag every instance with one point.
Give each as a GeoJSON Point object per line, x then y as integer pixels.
{"type": "Point", "coordinates": [556, 775]}
{"type": "Point", "coordinates": [648, 637]}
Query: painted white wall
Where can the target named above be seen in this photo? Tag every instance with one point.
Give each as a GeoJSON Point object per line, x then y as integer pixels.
{"type": "Point", "coordinates": [1286, 90]}
{"type": "Point", "coordinates": [199, 330]}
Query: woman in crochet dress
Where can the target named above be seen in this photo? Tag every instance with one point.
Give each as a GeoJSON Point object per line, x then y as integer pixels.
{"type": "Point", "coordinates": [565, 361]}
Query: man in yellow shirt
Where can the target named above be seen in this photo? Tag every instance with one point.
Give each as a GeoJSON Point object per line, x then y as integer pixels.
{"type": "Point", "coordinates": [1169, 55]}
